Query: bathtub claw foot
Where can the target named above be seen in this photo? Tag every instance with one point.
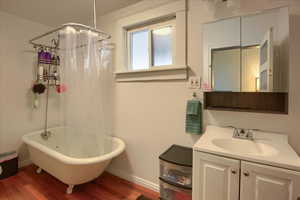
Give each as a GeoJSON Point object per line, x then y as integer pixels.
{"type": "Point", "coordinates": [39, 170]}
{"type": "Point", "coordinates": [70, 189]}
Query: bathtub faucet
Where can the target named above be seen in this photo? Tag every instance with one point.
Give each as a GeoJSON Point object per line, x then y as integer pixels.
{"type": "Point", "coordinates": [46, 134]}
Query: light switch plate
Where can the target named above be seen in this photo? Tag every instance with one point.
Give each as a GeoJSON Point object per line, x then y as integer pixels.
{"type": "Point", "coordinates": [194, 83]}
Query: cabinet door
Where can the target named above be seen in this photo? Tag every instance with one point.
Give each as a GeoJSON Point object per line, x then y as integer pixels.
{"type": "Point", "coordinates": [215, 177]}
{"type": "Point", "coordinates": [261, 182]}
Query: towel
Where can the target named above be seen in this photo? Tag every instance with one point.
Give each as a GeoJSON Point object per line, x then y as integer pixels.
{"type": "Point", "coordinates": [193, 122]}
{"type": "Point", "coordinates": [193, 107]}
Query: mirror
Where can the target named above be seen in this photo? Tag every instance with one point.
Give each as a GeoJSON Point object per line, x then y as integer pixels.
{"type": "Point", "coordinates": [247, 53]}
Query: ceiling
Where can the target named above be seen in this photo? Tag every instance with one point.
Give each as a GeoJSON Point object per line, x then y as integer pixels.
{"type": "Point", "coordinates": [56, 12]}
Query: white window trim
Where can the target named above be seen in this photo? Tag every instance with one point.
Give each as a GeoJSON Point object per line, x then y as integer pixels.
{"type": "Point", "coordinates": [176, 71]}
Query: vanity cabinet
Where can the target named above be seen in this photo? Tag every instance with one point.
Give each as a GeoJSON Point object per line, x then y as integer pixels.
{"type": "Point", "coordinates": [219, 178]}
{"type": "Point", "coordinates": [261, 182]}
{"type": "Point", "coordinates": [215, 178]}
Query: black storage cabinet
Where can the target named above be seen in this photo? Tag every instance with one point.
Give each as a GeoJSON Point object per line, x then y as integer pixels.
{"type": "Point", "coordinates": [176, 167]}
{"type": "Point", "coordinates": [8, 164]}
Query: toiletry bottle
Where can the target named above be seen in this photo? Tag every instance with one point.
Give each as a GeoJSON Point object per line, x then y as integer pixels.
{"type": "Point", "coordinates": [40, 71]}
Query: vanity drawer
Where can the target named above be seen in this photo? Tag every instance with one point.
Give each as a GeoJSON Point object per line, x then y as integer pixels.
{"type": "Point", "coordinates": [179, 175]}
{"type": "Point", "coordinates": [170, 192]}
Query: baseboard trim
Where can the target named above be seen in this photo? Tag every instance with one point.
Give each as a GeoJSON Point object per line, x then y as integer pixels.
{"type": "Point", "coordinates": [24, 163]}
{"type": "Point", "coordinates": [134, 179]}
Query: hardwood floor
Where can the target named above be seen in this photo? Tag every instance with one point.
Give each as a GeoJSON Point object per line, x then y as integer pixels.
{"type": "Point", "coordinates": [27, 185]}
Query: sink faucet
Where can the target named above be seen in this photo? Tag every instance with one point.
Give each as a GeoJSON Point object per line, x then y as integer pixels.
{"type": "Point", "coordinates": [240, 133]}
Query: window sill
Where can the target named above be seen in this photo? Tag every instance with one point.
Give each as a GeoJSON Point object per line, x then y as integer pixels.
{"type": "Point", "coordinates": [153, 74]}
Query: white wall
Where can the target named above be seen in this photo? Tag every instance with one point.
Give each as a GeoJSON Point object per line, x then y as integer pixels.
{"type": "Point", "coordinates": [17, 62]}
{"type": "Point", "coordinates": [150, 116]}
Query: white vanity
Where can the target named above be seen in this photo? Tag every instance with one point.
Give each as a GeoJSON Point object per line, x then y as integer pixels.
{"type": "Point", "coordinates": [264, 167]}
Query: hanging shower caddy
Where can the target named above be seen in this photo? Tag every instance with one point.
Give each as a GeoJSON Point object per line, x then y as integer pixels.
{"type": "Point", "coordinates": [47, 71]}
{"type": "Point", "coordinates": [48, 63]}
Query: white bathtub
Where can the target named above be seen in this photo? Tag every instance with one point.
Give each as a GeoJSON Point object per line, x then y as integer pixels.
{"type": "Point", "coordinates": [70, 161]}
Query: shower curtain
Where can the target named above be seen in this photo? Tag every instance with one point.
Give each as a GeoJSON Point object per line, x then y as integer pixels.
{"type": "Point", "coordinates": [85, 100]}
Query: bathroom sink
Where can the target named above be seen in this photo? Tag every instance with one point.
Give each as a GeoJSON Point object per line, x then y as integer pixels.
{"type": "Point", "coordinates": [266, 147]}
{"type": "Point", "coordinates": [245, 146]}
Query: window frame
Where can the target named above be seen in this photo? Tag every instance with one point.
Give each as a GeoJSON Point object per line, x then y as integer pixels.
{"type": "Point", "coordinates": [151, 27]}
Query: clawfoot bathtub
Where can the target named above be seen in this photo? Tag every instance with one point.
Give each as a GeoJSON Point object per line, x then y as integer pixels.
{"type": "Point", "coordinates": [70, 166]}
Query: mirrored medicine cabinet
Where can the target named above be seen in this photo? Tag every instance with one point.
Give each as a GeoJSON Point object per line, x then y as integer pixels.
{"type": "Point", "coordinates": [246, 62]}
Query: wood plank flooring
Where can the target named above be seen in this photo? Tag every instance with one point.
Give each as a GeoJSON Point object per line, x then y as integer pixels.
{"type": "Point", "coordinates": [27, 185]}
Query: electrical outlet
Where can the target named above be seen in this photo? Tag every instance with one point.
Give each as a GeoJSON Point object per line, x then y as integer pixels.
{"type": "Point", "coordinates": [194, 83]}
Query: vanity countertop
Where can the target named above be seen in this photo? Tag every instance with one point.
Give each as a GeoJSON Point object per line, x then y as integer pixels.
{"type": "Point", "coordinates": [267, 148]}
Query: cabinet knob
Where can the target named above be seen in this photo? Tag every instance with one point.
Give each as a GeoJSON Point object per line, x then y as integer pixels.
{"type": "Point", "coordinates": [233, 171]}
{"type": "Point", "coordinates": [246, 174]}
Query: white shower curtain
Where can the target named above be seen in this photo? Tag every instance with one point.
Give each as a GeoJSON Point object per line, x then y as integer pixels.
{"type": "Point", "coordinates": [85, 105]}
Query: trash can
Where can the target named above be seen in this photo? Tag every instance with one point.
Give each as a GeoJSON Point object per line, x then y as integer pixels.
{"type": "Point", "coordinates": [8, 164]}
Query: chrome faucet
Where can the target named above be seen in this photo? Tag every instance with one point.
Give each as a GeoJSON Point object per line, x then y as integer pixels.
{"type": "Point", "coordinates": [46, 134]}
{"type": "Point", "coordinates": [240, 133]}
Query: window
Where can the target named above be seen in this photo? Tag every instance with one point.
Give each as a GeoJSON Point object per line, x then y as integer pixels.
{"type": "Point", "coordinates": [151, 46]}
{"type": "Point", "coordinates": [139, 49]}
